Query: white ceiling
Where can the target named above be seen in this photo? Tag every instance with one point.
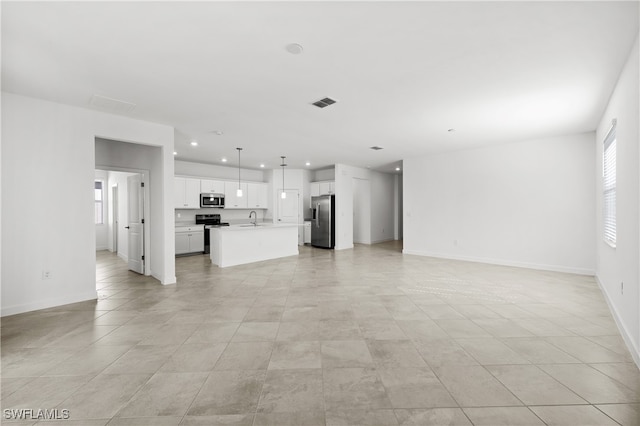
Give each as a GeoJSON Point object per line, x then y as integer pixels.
{"type": "Point", "coordinates": [403, 72]}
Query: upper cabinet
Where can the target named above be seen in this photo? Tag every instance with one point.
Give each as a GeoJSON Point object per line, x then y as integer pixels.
{"type": "Point", "coordinates": [231, 200]}
{"type": "Point", "coordinates": [211, 186]}
{"type": "Point", "coordinates": [186, 193]}
{"type": "Point", "coordinates": [257, 195]}
{"type": "Point", "coordinates": [320, 188]}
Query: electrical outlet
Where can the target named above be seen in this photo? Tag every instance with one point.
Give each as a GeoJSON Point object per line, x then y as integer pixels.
{"type": "Point", "coordinates": [46, 275]}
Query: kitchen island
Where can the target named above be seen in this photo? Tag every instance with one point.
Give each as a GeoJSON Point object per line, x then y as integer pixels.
{"type": "Point", "coordinates": [240, 244]}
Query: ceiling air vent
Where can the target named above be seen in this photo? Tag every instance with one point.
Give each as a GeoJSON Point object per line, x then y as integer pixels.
{"type": "Point", "coordinates": [324, 102]}
{"type": "Point", "coordinates": [376, 148]}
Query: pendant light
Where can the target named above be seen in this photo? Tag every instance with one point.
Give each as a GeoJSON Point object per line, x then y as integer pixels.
{"type": "Point", "coordinates": [284, 194]}
{"type": "Point", "coordinates": [239, 191]}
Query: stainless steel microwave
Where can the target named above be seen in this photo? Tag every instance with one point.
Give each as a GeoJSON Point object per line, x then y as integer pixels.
{"type": "Point", "coordinates": [212, 200]}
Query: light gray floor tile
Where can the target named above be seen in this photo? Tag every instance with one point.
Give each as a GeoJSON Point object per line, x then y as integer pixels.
{"type": "Point", "coordinates": [590, 384]}
{"type": "Point", "coordinates": [219, 420]}
{"type": "Point", "coordinates": [292, 391]}
{"type": "Point", "coordinates": [503, 416]}
{"type": "Point", "coordinates": [315, 418]}
{"type": "Point", "coordinates": [307, 321]}
{"type": "Point", "coordinates": [395, 354]}
{"type": "Point", "coordinates": [443, 352]}
{"type": "Point", "coordinates": [290, 355]}
{"type": "Point", "coordinates": [533, 386]}
{"type": "Point", "coordinates": [353, 388]}
{"type": "Point", "coordinates": [474, 386]}
{"type": "Point", "coordinates": [245, 356]}
{"type": "Point", "coordinates": [625, 414]}
{"type": "Point", "coordinates": [103, 396]}
{"type": "Point", "coordinates": [415, 388]}
{"type": "Point", "coordinates": [432, 417]}
{"type": "Point", "coordinates": [345, 353]}
{"type": "Point", "coordinates": [538, 351]}
{"type": "Point", "coordinates": [256, 332]}
{"type": "Point", "coordinates": [490, 351]}
{"type": "Point", "coordinates": [229, 392]}
{"type": "Point", "coordinates": [141, 359]}
{"type": "Point", "coordinates": [165, 394]}
{"type": "Point", "coordinates": [361, 417]}
{"type": "Point", "coordinates": [583, 415]}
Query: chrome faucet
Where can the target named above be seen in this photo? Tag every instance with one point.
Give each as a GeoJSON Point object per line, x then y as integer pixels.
{"type": "Point", "coordinates": [255, 217]}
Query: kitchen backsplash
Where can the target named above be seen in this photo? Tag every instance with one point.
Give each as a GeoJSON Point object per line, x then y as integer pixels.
{"type": "Point", "coordinates": [231, 216]}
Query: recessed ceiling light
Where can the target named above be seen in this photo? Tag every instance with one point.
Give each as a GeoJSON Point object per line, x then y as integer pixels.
{"type": "Point", "coordinates": [175, 152]}
{"type": "Point", "coordinates": [451, 130]}
{"type": "Point", "coordinates": [262, 166]}
{"type": "Point", "coordinates": [224, 160]}
{"type": "Point", "coordinates": [307, 163]}
{"type": "Point", "coordinates": [194, 143]}
{"type": "Point", "coordinates": [397, 169]}
{"type": "Point", "coordinates": [217, 132]}
{"type": "Point", "coordinates": [294, 48]}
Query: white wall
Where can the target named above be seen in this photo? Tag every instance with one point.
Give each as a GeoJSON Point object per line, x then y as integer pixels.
{"type": "Point", "coordinates": [102, 229]}
{"type": "Point", "coordinates": [323, 174]}
{"type": "Point", "coordinates": [45, 143]}
{"type": "Point", "coordinates": [524, 204]}
{"type": "Point", "coordinates": [382, 195]}
{"type": "Point", "coordinates": [188, 168]}
{"type": "Point", "coordinates": [620, 264]}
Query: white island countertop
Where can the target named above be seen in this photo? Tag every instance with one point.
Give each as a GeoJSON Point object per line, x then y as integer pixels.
{"type": "Point", "coordinates": [246, 243]}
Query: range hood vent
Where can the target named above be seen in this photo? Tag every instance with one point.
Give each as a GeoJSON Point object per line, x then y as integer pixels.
{"type": "Point", "coordinates": [322, 103]}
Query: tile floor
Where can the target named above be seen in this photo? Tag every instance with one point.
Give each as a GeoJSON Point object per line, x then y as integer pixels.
{"type": "Point", "coordinates": [357, 337]}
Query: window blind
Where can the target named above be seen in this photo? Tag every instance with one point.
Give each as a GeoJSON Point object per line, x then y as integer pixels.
{"type": "Point", "coordinates": [609, 186]}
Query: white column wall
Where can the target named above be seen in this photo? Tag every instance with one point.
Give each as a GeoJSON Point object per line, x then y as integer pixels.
{"type": "Point", "coordinates": [51, 145]}
{"type": "Point", "coordinates": [621, 264]}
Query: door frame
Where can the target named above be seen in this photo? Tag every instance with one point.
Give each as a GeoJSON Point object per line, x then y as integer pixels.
{"type": "Point", "coordinates": [114, 214]}
{"type": "Point", "coordinates": [146, 206]}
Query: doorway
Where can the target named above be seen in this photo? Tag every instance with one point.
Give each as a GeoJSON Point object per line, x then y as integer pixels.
{"type": "Point", "coordinates": [127, 207]}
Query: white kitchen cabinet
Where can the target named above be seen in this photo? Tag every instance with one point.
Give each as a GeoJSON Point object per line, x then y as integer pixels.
{"type": "Point", "coordinates": [307, 232]}
{"type": "Point", "coordinates": [320, 188]}
{"type": "Point", "coordinates": [314, 191]}
{"type": "Point", "coordinates": [189, 239]}
{"type": "Point", "coordinates": [231, 200]}
{"type": "Point", "coordinates": [211, 186]}
{"type": "Point", "coordinates": [327, 188]}
{"type": "Point", "coordinates": [186, 193]}
{"type": "Point", "coordinates": [257, 195]}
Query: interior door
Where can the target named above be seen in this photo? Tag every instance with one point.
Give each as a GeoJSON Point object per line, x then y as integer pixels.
{"type": "Point", "coordinates": [135, 223]}
{"type": "Point", "coordinates": [288, 211]}
{"type": "Point", "coordinates": [114, 213]}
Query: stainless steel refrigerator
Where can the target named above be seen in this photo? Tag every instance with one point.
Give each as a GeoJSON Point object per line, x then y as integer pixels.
{"type": "Point", "coordinates": [323, 230]}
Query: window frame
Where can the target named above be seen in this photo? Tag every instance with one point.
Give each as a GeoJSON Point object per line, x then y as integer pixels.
{"type": "Point", "coordinates": [609, 187]}
{"type": "Point", "coordinates": [99, 202]}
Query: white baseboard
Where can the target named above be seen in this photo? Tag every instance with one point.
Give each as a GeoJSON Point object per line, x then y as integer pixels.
{"type": "Point", "coordinates": [528, 265]}
{"type": "Point", "coordinates": [382, 241]}
{"type": "Point", "coordinates": [633, 349]}
{"type": "Point", "coordinates": [123, 257]}
{"type": "Point", "coordinates": [102, 248]}
{"type": "Point", "coordinates": [48, 303]}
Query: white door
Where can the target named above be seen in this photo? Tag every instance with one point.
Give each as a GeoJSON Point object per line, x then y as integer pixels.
{"type": "Point", "coordinates": [288, 211]}
{"type": "Point", "coordinates": [135, 219]}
